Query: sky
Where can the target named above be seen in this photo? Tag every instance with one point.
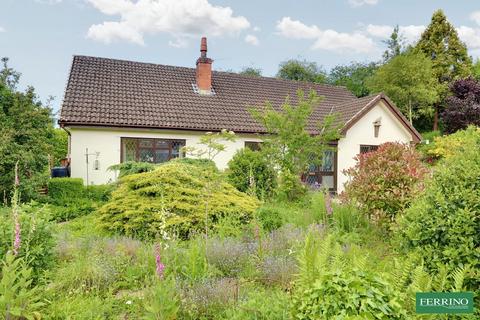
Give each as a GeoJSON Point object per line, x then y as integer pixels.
{"type": "Point", "coordinates": [40, 37]}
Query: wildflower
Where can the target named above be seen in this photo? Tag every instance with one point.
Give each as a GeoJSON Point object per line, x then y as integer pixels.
{"type": "Point", "coordinates": [128, 302]}
{"type": "Point", "coordinates": [160, 267]}
{"type": "Point", "coordinates": [17, 241]}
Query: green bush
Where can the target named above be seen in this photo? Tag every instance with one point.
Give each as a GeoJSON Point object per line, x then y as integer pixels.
{"type": "Point", "coordinates": [132, 167]}
{"type": "Point", "coordinates": [443, 223]}
{"type": "Point", "coordinates": [176, 197]}
{"type": "Point", "coordinates": [270, 217]}
{"type": "Point", "coordinates": [72, 209]}
{"type": "Point", "coordinates": [61, 188]}
{"type": "Point", "coordinates": [250, 172]}
{"type": "Point", "coordinates": [37, 242]}
{"type": "Point", "coordinates": [385, 181]}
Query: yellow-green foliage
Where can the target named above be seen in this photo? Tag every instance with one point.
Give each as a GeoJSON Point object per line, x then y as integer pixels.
{"type": "Point", "coordinates": [447, 146]}
{"type": "Point", "coordinates": [175, 197]}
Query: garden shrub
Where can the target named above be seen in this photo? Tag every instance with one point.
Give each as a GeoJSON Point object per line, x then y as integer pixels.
{"type": "Point", "coordinates": [384, 182]}
{"type": "Point", "coordinates": [270, 217]}
{"type": "Point", "coordinates": [132, 167]}
{"type": "Point", "coordinates": [37, 241]}
{"type": "Point", "coordinates": [447, 146]}
{"type": "Point", "coordinates": [442, 224]}
{"type": "Point", "coordinates": [229, 256]}
{"type": "Point", "coordinates": [334, 283]}
{"type": "Point", "coordinates": [61, 188]}
{"type": "Point", "coordinates": [174, 197]}
{"type": "Point", "coordinates": [250, 172]}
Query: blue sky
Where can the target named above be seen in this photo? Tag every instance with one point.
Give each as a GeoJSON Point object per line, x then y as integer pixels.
{"type": "Point", "coordinates": [41, 36]}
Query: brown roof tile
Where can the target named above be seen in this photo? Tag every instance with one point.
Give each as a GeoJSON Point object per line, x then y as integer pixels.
{"type": "Point", "coordinates": [108, 92]}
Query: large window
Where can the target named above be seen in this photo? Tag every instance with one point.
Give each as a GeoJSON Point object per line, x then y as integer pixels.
{"type": "Point", "coordinates": [151, 150]}
{"type": "Point", "coordinates": [323, 175]}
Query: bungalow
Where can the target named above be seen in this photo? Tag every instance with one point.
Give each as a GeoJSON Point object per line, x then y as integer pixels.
{"type": "Point", "coordinates": [116, 111]}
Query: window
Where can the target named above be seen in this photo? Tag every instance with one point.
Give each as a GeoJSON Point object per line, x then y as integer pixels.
{"type": "Point", "coordinates": [151, 150]}
{"type": "Point", "coordinates": [253, 145]}
{"type": "Point", "coordinates": [323, 175]}
{"type": "Point", "coordinates": [367, 148]}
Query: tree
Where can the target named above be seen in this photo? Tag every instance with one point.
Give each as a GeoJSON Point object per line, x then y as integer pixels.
{"type": "Point", "coordinates": [353, 76]}
{"type": "Point", "coordinates": [251, 71]}
{"type": "Point", "coordinates": [476, 69]}
{"type": "Point", "coordinates": [463, 106]}
{"type": "Point", "coordinates": [301, 70]}
{"type": "Point", "coordinates": [394, 44]}
{"type": "Point", "coordinates": [441, 44]}
{"type": "Point", "coordinates": [26, 130]}
{"type": "Point", "coordinates": [409, 81]}
{"type": "Point", "coordinates": [289, 144]}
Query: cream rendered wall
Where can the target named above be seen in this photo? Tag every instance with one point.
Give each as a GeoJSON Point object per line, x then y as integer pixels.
{"type": "Point", "coordinates": [106, 141]}
{"type": "Point", "coordinates": [362, 132]}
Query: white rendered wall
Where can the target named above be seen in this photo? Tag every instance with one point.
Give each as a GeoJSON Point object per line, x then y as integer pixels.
{"type": "Point", "coordinates": [106, 141]}
{"type": "Point", "coordinates": [362, 132]}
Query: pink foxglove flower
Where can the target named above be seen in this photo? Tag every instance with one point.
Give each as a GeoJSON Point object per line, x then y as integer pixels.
{"type": "Point", "coordinates": [160, 267]}
{"type": "Point", "coordinates": [17, 241]}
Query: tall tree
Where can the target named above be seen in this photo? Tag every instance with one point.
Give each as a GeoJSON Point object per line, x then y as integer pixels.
{"type": "Point", "coordinates": [301, 70]}
{"type": "Point", "coordinates": [26, 132]}
{"type": "Point", "coordinates": [394, 44]}
{"type": "Point", "coordinates": [251, 71]}
{"type": "Point", "coordinates": [353, 76]}
{"type": "Point", "coordinates": [463, 106]}
{"type": "Point", "coordinates": [440, 43]}
{"type": "Point", "coordinates": [408, 79]}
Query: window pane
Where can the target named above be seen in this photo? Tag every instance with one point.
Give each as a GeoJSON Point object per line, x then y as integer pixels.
{"type": "Point", "coordinates": [129, 149]}
{"type": "Point", "coordinates": [146, 155]}
{"type": "Point", "coordinates": [176, 148]}
{"type": "Point", "coordinates": [327, 161]}
{"type": "Point", "coordinates": [146, 143]}
{"type": "Point", "coordinates": [253, 145]}
{"type": "Point", "coordinates": [367, 148]}
{"type": "Point", "coordinates": [161, 155]}
{"type": "Point", "coordinates": [164, 144]}
{"type": "Point", "coordinates": [327, 181]}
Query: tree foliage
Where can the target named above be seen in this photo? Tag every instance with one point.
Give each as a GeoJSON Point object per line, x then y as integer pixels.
{"type": "Point", "coordinates": [26, 134]}
{"type": "Point", "coordinates": [463, 106]}
{"type": "Point", "coordinates": [251, 71]}
{"type": "Point", "coordinates": [408, 79]}
{"type": "Point", "coordinates": [353, 76]}
{"type": "Point", "coordinates": [301, 70]}
{"type": "Point", "coordinates": [290, 145]}
{"type": "Point", "coordinates": [394, 44]}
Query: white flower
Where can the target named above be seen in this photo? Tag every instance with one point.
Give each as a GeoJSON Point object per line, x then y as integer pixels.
{"type": "Point", "coordinates": [128, 302]}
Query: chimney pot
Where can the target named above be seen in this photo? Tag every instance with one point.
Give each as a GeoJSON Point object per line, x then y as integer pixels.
{"type": "Point", "coordinates": [204, 70]}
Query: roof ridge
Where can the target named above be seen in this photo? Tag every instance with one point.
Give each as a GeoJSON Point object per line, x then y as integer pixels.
{"type": "Point", "coordinates": [326, 85]}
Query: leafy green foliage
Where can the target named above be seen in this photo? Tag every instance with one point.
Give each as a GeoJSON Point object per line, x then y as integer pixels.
{"type": "Point", "coordinates": [173, 194]}
{"type": "Point", "coordinates": [394, 44]}
{"type": "Point", "coordinates": [37, 242]}
{"type": "Point", "coordinates": [454, 144]}
{"type": "Point", "coordinates": [408, 79]}
{"type": "Point", "coordinates": [335, 284]}
{"type": "Point", "coordinates": [289, 145]}
{"type": "Point", "coordinates": [301, 70]}
{"type": "Point", "coordinates": [132, 167]}
{"type": "Point", "coordinates": [250, 172]}
{"type": "Point", "coordinates": [61, 188]}
{"type": "Point", "coordinates": [251, 71]}
{"type": "Point", "coordinates": [19, 299]}
{"type": "Point", "coordinates": [26, 133]}
{"type": "Point", "coordinates": [353, 76]}
{"type": "Point", "coordinates": [162, 301]}
{"type": "Point", "coordinates": [59, 143]}
{"type": "Point", "coordinates": [442, 224]}
{"type": "Point", "coordinates": [385, 181]}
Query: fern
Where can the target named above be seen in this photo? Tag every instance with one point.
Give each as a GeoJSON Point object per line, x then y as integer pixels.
{"type": "Point", "coordinates": [458, 276]}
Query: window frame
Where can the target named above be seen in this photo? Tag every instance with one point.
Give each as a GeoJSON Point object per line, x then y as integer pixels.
{"type": "Point", "coordinates": [319, 173]}
{"type": "Point", "coordinates": [253, 145]}
{"type": "Point", "coordinates": [154, 147]}
{"type": "Point", "coordinates": [370, 147]}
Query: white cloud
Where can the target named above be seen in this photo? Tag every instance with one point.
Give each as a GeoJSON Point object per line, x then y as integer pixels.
{"type": "Point", "coordinates": [256, 29]}
{"type": "Point", "coordinates": [359, 3]}
{"type": "Point", "coordinates": [251, 39]}
{"type": "Point", "coordinates": [325, 39]}
{"type": "Point", "coordinates": [475, 16]}
{"type": "Point", "coordinates": [2, 29]}
{"type": "Point", "coordinates": [49, 1]}
{"type": "Point", "coordinates": [410, 33]}
{"type": "Point", "coordinates": [182, 19]}
{"type": "Point", "coordinates": [471, 36]}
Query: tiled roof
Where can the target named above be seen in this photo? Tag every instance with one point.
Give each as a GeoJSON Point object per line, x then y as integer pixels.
{"type": "Point", "coordinates": [108, 92]}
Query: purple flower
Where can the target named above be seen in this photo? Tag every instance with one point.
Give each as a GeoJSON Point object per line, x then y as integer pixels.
{"type": "Point", "coordinates": [17, 179]}
{"type": "Point", "coordinates": [160, 266]}
{"type": "Point", "coordinates": [328, 203]}
{"type": "Point", "coordinates": [17, 241]}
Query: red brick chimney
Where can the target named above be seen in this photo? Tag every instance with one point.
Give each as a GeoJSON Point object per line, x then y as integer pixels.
{"type": "Point", "coordinates": [204, 70]}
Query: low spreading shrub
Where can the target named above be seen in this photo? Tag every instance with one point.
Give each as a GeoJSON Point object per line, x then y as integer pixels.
{"type": "Point", "coordinates": [174, 197]}
{"type": "Point", "coordinates": [443, 223]}
{"type": "Point", "coordinates": [132, 167]}
{"type": "Point", "coordinates": [450, 145]}
{"type": "Point", "coordinates": [229, 256]}
{"type": "Point", "coordinates": [250, 172]}
{"type": "Point", "coordinates": [65, 188]}
{"type": "Point", "coordinates": [270, 217]}
{"type": "Point", "coordinates": [385, 181]}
